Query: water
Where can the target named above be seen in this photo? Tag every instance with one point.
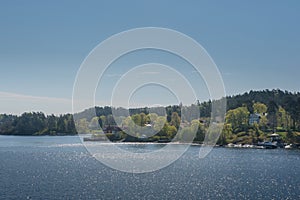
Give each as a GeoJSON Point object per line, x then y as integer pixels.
{"type": "Point", "coordinates": [60, 168]}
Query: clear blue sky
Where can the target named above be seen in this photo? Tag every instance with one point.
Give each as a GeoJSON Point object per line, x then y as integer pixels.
{"type": "Point", "coordinates": [255, 44]}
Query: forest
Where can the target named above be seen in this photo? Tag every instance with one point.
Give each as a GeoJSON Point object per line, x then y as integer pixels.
{"type": "Point", "coordinates": [272, 111]}
{"type": "Point", "coordinates": [37, 123]}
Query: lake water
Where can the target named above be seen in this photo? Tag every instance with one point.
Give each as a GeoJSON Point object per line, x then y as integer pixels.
{"type": "Point", "coordinates": [61, 168]}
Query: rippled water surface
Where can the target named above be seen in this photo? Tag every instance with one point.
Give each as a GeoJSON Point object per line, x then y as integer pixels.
{"type": "Point", "coordinates": [61, 168]}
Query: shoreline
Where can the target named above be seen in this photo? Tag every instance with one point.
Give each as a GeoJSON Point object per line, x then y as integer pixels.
{"type": "Point", "coordinates": [233, 146]}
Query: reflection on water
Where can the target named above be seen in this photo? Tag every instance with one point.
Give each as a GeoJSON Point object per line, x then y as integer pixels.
{"type": "Point", "coordinates": [61, 168]}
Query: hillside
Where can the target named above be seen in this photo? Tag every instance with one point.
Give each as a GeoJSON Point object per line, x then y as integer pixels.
{"type": "Point", "coordinates": [278, 111]}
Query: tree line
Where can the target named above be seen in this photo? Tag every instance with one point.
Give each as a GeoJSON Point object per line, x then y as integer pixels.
{"type": "Point", "coordinates": [37, 123]}
{"type": "Point", "coordinates": [279, 111]}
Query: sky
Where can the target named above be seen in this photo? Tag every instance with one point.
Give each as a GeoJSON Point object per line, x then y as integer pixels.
{"type": "Point", "coordinates": [255, 45]}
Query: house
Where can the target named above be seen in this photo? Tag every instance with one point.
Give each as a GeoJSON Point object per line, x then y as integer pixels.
{"type": "Point", "coordinates": [254, 118]}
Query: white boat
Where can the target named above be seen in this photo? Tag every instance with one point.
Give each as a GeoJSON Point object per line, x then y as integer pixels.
{"type": "Point", "coordinates": [289, 146]}
{"type": "Point", "coordinates": [230, 145]}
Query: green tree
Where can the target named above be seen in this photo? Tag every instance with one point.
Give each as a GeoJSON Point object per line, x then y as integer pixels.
{"type": "Point", "coordinates": [272, 114]}
{"type": "Point", "coordinates": [238, 118]}
{"type": "Point", "coordinates": [213, 134]}
{"type": "Point", "coordinates": [69, 124]}
{"type": "Point", "coordinates": [30, 123]}
{"type": "Point", "coordinates": [94, 124]}
{"type": "Point", "coordinates": [132, 128]}
{"type": "Point", "coordinates": [102, 121]}
{"type": "Point", "coordinates": [137, 119]}
{"type": "Point", "coordinates": [144, 118]}
{"type": "Point", "coordinates": [110, 120]}
{"type": "Point", "coordinates": [200, 134]}
{"type": "Point", "coordinates": [152, 117]}
{"type": "Point", "coordinates": [82, 126]}
{"type": "Point", "coordinates": [186, 134]}
{"type": "Point", "coordinates": [175, 120]}
{"type": "Point", "coordinates": [171, 131]}
{"type": "Point", "coordinates": [283, 118]}
{"type": "Point", "coordinates": [52, 124]}
{"type": "Point", "coordinates": [159, 123]}
{"type": "Point", "coordinates": [259, 108]}
{"type": "Point", "coordinates": [226, 133]}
